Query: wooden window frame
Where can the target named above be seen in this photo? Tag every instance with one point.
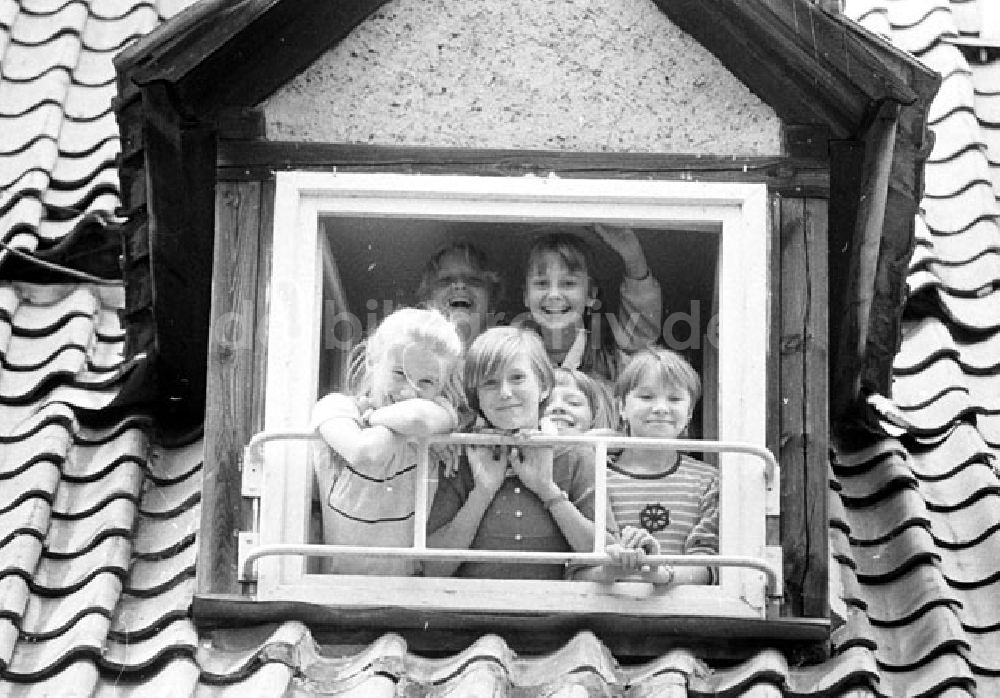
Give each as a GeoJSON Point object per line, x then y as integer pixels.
{"type": "Point", "coordinates": [736, 212]}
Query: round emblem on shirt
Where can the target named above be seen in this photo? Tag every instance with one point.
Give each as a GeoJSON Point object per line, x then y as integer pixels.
{"type": "Point", "coordinates": [654, 517]}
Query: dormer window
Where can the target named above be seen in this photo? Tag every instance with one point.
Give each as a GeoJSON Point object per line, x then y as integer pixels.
{"type": "Point", "coordinates": [342, 241]}
{"type": "Point", "coordinates": [770, 250]}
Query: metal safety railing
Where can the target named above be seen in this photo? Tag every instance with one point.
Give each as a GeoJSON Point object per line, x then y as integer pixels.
{"type": "Point", "coordinates": [253, 462]}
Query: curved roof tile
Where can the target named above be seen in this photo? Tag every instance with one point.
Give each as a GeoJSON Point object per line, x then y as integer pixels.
{"type": "Point", "coordinates": [25, 63]}
{"type": "Point", "coordinates": [68, 538]}
{"type": "Point", "coordinates": [42, 659]}
{"type": "Point", "coordinates": [55, 576]}
{"type": "Point", "coordinates": [898, 603]}
{"type": "Point", "coordinates": [75, 500]}
{"type": "Point", "coordinates": [39, 29]}
{"type": "Point", "coordinates": [153, 577]}
{"type": "Point", "coordinates": [177, 676]}
{"type": "Point", "coordinates": [964, 246]}
{"type": "Point", "coordinates": [48, 617]}
{"type": "Point", "coordinates": [41, 479]}
{"type": "Point", "coordinates": [170, 465]}
{"type": "Point", "coordinates": [179, 637]}
{"type": "Point", "coordinates": [918, 27]}
{"type": "Point", "coordinates": [876, 523]}
{"type": "Point", "coordinates": [931, 339]}
{"type": "Point", "coordinates": [81, 673]}
{"type": "Point", "coordinates": [931, 635]}
{"type": "Point", "coordinates": [959, 491]}
{"type": "Point", "coordinates": [956, 92]}
{"type": "Point", "coordinates": [171, 500]}
{"type": "Point", "coordinates": [141, 617]}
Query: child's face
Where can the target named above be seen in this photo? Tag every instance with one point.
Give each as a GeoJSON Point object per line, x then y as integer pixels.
{"type": "Point", "coordinates": [511, 397]}
{"type": "Point", "coordinates": [409, 371]}
{"type": "Point", "coordinates": [459, 290]}
{"type": "Point", "coordinates": [556, 296]}
{"type": "Point", "coordinates": [654, 408]}
{"type": "Point", "coordinates": [569, 410]}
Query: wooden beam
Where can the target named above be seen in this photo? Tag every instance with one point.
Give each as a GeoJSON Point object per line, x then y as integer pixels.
{"type": "Point", "coordinates": [234, 384]}
{"type": "Point", "coordinates": [864, 258]}
{"type": "Point", "coordinates": [257, 159]}
{"type": "Point", "coordinates": [724, 639]}
{"type": "Point", "coordinates": [240, 69]}
{"type": "Point", "coordinates": [803, 406]}
{"type": "Point", "coordinates": [180, 160]}
{"type": "Point", "coordinates": [766, 55]}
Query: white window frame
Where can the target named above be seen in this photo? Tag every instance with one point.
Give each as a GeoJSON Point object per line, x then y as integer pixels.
{"type": "Point", "coordinates": [737, 212]}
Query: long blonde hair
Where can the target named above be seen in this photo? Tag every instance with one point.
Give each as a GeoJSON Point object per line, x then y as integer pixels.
{"type": "Point", "coordinates": [405, 326]}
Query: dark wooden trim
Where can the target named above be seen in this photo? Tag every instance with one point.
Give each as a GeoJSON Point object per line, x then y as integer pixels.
{"type": "Point", "coordinates": [891, 291]}
{"type": "Point", "coordinates": [816, 421]}
{"type": "Point", "coordinates": [711, 638]}
{"type": "Point", "coordinates": [810, 141]}
{"type": "Point", "coordinates": [865, 241]}
{"type": "Point", "coordinates": [265, 244]}
{"type": "Point", "coordinates": [808, 67]}
{"type": "Point", "coordinates": [240, 124]}
{"type": "Point", "coordinates": [234, 387]}
{"type": "Point", "coordinates": [180, 169]}
{"type": "Point", "coordinates": [773, 530]}
{"type": "Point", "coordinates": [803, 406]}
{"type": "Point", "coordinates": [232, 60]}
{"type": "Point", "coordinates": [846, 166]}
{"type": "Point", "coordinates": [258, 159]}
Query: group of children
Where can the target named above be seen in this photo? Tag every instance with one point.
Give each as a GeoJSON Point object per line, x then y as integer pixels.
{"type": "Point", "coordinates": [436, 370]}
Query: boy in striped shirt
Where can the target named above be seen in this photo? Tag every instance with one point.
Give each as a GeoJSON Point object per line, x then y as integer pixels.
{"type": "Point", "coordinates": [664, 502]}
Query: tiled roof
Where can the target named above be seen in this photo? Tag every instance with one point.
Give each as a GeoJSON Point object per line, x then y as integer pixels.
{"type": "Point", "coordinates": [58, 135]}
{"type": "Point", "coordinates": [98, 525]}
{"type": "Point", "coordinates": [917, 524]}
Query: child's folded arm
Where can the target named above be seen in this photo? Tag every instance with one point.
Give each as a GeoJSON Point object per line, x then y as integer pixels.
{"type": "Point", "coordinates": [416, 417]}
{"type": "Point", "coordinates": [338, 421]}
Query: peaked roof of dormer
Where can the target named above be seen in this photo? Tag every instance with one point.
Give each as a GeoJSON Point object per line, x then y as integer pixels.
{"type": "Point", "coordinates": [812, 66]}
{"type": "Point", "coordinates": [827, 78]}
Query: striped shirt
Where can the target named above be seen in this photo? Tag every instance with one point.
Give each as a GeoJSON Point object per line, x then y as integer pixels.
{"type": "Point", "coordinates": [679, 506]}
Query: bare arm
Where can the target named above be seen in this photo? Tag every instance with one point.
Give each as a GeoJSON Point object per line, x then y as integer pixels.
{"type": "Point", "coordinates": [460, 531]}
{"type": "Point", "coordinates": [534, 466]}
{"type": "Point", "coordinates": [415, 417]}
{"type": "Point", "coordinates": [641, 306]}
{"type": "Point", "coordinates": [578, 529]}
{"type": "Point", "coordinates": [629, 554]}
{"type": "Point", "coordinates": [367, 449]}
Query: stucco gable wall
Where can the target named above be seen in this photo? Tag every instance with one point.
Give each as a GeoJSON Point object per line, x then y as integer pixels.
{"type": "Point", "coordinates": [574, 75]}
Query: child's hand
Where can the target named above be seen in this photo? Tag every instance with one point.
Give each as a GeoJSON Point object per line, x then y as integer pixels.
{"type": "Point", "coordinates": [489, 467]}
{"type": "Point", "coordinates": [533, 464]}
{"type": "Point", "coordinates": [639, 538]}
{"type": "Point", "coordinates": [632, 547]}
{"type": "Point", "coordinates": [446, 457]}
{"type": "Point", "coordinates": [625, 243]}
{"type": "Point", "coordinates": [546, 427]}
